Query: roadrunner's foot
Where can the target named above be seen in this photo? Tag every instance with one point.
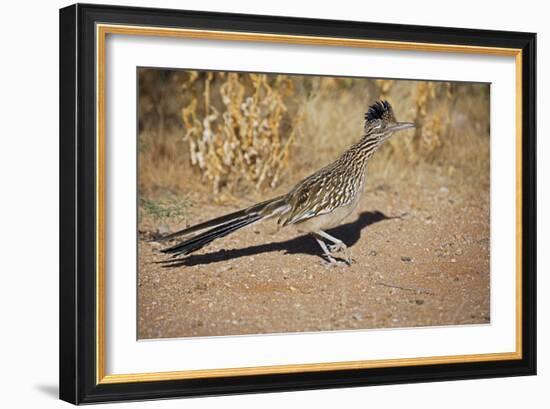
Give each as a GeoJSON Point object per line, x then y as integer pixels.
{"type": "Point", "coordinates": [332, 262]}
{"type": "Point", "coordinates": [338, 246]}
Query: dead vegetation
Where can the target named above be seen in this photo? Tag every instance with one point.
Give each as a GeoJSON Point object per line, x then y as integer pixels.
{"type": "Point", "coordinates": [218, 134]}
{"type": "Point", "coordinates": [245, 138]}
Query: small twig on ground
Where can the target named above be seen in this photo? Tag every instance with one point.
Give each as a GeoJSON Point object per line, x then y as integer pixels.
{"type": "Point", "coordinates": [416, 290]}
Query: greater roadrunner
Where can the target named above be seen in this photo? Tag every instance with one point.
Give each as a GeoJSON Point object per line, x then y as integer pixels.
{"type": "Point", "coordinates": [319, 202]}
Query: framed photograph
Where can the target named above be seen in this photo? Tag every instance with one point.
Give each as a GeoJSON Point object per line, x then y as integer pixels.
{"type": "Point", "coordinates": [258, 203]}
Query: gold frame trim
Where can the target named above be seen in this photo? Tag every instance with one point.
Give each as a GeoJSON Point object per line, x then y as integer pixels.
{"type": "Point", "coordinates": [102, 30]}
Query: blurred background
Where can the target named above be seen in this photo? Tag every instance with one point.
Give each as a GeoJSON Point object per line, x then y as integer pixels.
{"type": "Point", "coordinates": [224, 135]}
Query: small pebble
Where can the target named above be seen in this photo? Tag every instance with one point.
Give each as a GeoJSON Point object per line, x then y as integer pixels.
{"type": "Point", "coordinates": [225, 268]}
{"type": "Point", "coordinates": [163, 229]}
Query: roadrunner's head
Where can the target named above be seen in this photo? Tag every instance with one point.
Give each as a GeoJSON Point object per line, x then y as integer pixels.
{"type": "Point", "coordinates": [380, 122]}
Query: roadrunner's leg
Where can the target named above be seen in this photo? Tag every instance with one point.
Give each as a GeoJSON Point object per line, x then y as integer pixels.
{"type": "Point", "coordinates": [325, 249]}
{"type": "Point", "coordinates": [338, 245]}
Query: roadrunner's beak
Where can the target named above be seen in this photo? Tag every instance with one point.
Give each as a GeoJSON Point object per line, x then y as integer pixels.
{"type": "Point", "coordinates": [399, 126]}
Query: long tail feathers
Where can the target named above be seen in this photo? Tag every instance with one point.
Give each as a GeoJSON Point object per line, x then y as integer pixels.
{"type": "Point", "coordinates": [201, 240]}
{"type": "Point", "coordinates": [221, 227]}
{"type": "Point", "coordinates": [218, 221]}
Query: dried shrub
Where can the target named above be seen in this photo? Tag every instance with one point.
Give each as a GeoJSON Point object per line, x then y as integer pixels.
{"type": "Point", "coordinates": [240, 135]}
{"type": "Point", "coordinates": [432, 118]}
{"type": "Point", "coordinates": [384, 87]}
{"type": "Point", "coordinates": [429, 106]}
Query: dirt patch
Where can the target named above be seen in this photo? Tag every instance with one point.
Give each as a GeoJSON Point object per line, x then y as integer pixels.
{"type": "Point", "coordinates": [421, 250]}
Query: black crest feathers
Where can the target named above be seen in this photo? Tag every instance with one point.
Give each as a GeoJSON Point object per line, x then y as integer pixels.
{"type": "Point", "coordinates": [379, 110]}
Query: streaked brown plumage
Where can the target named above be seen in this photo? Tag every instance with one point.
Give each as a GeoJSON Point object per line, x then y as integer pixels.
{"type": "Point", "coordinates": [319, 202]}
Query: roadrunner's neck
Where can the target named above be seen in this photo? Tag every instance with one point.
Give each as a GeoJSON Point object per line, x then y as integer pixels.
{"type": "Point", "coordinates": [352, 164]}
{"type": "Point", "coordinates": [360, 152]}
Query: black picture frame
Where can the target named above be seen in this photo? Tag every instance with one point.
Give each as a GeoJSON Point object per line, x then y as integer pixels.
{"type": "Point", "coordinates": [78, 296]}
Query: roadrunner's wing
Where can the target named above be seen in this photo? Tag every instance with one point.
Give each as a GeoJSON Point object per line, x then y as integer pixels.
{"type": "Point", "coordinates": [306, 200]}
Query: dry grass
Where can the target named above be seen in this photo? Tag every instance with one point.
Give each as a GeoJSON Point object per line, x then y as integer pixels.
{"type": "Point", "coordinates": [220, 134]}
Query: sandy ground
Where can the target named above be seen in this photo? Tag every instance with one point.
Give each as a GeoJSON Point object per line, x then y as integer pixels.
{"type": "Point", "coordinates": [421, 253]}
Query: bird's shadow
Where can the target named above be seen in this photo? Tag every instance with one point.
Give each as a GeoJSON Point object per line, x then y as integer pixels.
{"type": "Point", "coordinates": [349, 233]}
